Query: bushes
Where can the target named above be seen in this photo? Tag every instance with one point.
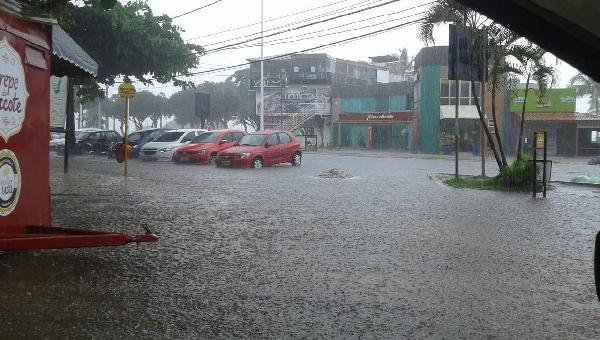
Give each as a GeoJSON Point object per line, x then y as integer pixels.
{"type": "Point", "coordinates": [517, 175]}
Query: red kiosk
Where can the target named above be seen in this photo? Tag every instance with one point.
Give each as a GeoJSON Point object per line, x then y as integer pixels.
{"type": "Point", "coordinates": [31, 49]}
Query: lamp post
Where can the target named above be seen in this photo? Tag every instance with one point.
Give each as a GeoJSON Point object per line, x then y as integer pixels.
{"type": "Point", "coordinates": [262, 68]}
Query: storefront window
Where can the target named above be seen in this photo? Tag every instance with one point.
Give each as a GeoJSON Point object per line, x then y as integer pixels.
{"type": "Point", "coordinates": [596, 137]}
{"type": "Point", "coordinates": [448, 92]}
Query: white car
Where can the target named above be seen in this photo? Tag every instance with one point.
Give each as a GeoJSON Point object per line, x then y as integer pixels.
{"type": "Point", "coordinates": [163, 147]}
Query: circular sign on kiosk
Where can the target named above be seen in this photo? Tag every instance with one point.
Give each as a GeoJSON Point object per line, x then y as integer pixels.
{"type": "Point", "coordinates": [13, 91]}
{"type": "Point", "coordinates": [126, 90]}
{"type": "Point", "coordinates": [10, 182]}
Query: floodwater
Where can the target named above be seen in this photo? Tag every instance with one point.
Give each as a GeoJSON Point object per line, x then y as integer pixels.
{"type": "Point", "coordinates": [280, 253]}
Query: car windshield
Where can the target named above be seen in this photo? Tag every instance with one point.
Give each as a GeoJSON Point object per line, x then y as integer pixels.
{"type": "Point", "coordinates": [135, 137]}
{"type": "Point", "coordinates": [169, 136]}
{"type": "Point", "coordinates": [82, 135]}
{"type": "Point", "coordinates": [252, 140]}
{"type": "Point", "coordinates": [208, 137]}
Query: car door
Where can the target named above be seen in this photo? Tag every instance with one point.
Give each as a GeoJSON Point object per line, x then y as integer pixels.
{"type": "Point", "coordinates": [273, 152]}
{"type": "Point", "coordinates": [228, 140]}
{"type": "Point", "coordinates": [188, 137]}
{"type": "Point", "coordinates": [285, 147]}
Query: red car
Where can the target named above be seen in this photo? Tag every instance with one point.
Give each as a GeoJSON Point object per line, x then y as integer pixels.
{"type": "Point", "coordinates": [205, 147]}
{"type": "Point", "coordinates": [262, 148]}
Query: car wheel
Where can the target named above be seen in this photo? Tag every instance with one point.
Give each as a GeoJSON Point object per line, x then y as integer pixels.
{"type": "Point", "coordinates": [257, 163]}
{"type": "Point", "coordinates": [213, 157]}
{"type": "Point", "coordinates": [297, 159]}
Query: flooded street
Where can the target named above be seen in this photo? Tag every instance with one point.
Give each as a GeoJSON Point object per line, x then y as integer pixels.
{"type": "Point", "coordinates": [281, 252]}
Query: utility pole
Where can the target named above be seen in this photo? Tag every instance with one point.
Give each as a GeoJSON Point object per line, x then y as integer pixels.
{"type": "Point", "coordinates": [456, 123]}
{"type": "Point", "coordinates": [262, 67]}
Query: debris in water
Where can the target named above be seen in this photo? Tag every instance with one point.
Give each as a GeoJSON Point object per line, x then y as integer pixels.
{"type": "Point", "coordinates": [334, 173]}
{"type": "Point", "coordinates": [587, 179]}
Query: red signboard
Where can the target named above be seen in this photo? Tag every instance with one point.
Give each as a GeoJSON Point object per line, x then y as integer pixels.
{"type": "Point", "coordinates": [24, 125]}
{"type": "Point", "coordinates": [377, 117]}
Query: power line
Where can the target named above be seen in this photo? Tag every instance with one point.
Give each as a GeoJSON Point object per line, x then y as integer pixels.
{"type": "Point", "coordinates": [269, 20]}
{"type": "Point", "coordinates": [326, 14]}
{"type": "Point", "coordinates": [339, 42]}
{"type": "Point", "coordinates": [196, 9]}
{"type": "Point", "coordinates": [287, 40]}
{"type": "Point", "coordinates": [310, 24]}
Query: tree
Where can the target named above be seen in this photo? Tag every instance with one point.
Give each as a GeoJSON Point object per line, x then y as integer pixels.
{"type": "Point", "coordinates": [247, 106]}
{"type": "Point", "coordinates": [446, 11]}
{"type": "Point", "coordinates": [585, 85]}
{"type": "Point", "coordinates": [127, 41]}
{"type": "Point", "coordinates": [499, 47]}
{"type": "Point", "coordinates": [532, 67]}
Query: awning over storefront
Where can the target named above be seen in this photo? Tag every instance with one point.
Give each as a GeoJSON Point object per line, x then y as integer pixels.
{"type": "Point", "coordinates": [69, 58]}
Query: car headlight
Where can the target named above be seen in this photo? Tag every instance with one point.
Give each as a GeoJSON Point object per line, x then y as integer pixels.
{"type": "Point", "coordinates": [245, 155]}
{"type": "Point", "coordinates": [201, 152]}
{"type": "Point", "coordinates": [166, 149]}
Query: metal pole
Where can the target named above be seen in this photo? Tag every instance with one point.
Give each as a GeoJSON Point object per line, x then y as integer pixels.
{"type": "Point", "coordinates": [125, 144]}
{"type": "Point", "coordinates": [534, 172]}
{"type": "Point", "coordinates": [545, 158]}
{"type": "Point", "coordinates": [262, 68]}
{"type": "Point", "coordinates": [70, 126]}
{"type": "Point", "coordinates": [281, 101]}
{"type": "Point", "coordinates": [483, 146]}
{"type": "Point", "coordinates": [456, 122]}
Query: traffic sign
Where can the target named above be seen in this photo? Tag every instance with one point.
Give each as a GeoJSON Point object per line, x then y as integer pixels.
{"type": "Point", "coordinates": [127, 91]}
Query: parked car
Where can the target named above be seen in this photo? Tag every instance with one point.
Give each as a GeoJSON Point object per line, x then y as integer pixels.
{"type": "Point", "coordinates": [136, 140]}
{"type": "Point", "coordinates": [163, 147]}
{"type": "Point", "coordinates": [262, 148]}
{"type": "Point", "coordinates": [58, 139]}
{"type": "Point", "coordinates": [204, 148]}
{"type": "Point", "coordinates": [93, 142]}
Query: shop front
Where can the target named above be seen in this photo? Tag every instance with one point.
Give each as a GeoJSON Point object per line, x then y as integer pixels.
{"type": "Point", "coordinates": [375, 131]}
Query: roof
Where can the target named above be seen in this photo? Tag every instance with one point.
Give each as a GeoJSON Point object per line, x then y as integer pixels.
{"type": "Point", "coordinates": [65, 48]}
{"type": "Point", "coordinates": [432, 56]}
{"type": "Point", "coordinates": [384, 59]}
{"type": "Point", "coordinates": [568, 29]}
{"type": "Point", "coordinates": [292, 56]}
{"type": "Point", "coordinates": [22, 11]}
{"type": "Point", "coordinates": [560, 117]}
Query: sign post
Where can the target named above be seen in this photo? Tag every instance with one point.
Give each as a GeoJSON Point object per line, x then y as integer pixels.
{"type": "Point", "coordinates": [127, 92]}
{"type": "Point", "coordinates": [540, 142]}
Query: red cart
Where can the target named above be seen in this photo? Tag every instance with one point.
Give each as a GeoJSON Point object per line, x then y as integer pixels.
{"type": "Point", "coordinates": [31, 49]}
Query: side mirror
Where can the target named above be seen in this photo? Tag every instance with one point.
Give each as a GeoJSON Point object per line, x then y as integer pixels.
{"type": "Point", "coordinates": [267, 145]}
{"type": "Point", "coordinates": [223, 141]}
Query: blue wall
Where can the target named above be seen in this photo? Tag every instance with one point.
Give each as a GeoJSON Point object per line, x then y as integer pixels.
{"type": "Point", "coordinates": [397, 103]}
{"type": "Point", "coordinates": [429, 127]}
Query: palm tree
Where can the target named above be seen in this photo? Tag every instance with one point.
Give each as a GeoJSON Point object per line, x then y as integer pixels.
{"type": "Point", "coordinates": [585, 85]}
{"type": "Point", "coordinates": [446, 11]}
{"type": "Point", "coordinates": [532, 67]}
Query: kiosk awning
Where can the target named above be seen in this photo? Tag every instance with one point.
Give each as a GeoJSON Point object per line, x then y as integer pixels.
{"type": "Point", "coordinates": [69, 58]}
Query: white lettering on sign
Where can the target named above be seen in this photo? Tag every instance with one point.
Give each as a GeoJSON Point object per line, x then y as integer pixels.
{"type": "Point", "coordinates": [13, 91]}
{"type": "Point", "coordinates": [371, 117]}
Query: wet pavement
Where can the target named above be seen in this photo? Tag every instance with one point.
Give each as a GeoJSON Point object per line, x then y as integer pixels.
{"type": "Point", "coordinates": [281, 253]}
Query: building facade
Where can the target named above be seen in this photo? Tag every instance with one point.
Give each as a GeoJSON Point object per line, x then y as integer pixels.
{"type": "Point", "coordinates": [435, 106]}
{"type": "Point", "coordinates": [297, 90]}
{"type": "Point", "coordinates": [374, 117]}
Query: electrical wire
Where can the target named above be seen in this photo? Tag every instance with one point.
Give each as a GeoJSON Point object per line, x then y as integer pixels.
{"type": "Point", "coordinates": [268, 20]}
{"type": "Point", "coordinates": [196, 9]}
{"type": "Point", "coordinates": [310, 24]}
{"type": "Point", "coordinates": [287, 40]}
{"type": "Point", "coordinates": [365, 4]}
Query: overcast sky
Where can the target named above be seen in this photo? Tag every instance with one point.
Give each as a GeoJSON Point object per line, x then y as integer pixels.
{"type": "Point", "coordinates": [229, 14]}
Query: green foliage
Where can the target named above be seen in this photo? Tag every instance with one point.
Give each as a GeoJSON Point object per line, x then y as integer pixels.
{"type": "Point", "coordinates": [587, 86]}
{"type": "Point", "coordinates": [128, 40]}
{"type": "Point", "coordinates": [475, 183]}
{"type": "Point", "coordinates": [517, 176]}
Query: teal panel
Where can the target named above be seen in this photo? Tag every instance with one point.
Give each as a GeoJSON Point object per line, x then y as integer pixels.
{"type": "Point", "coordinates": [398, 103]}
{"type": "Point", "coordinates": [355, 135]}
{"type": "Point", "coordinates": [430, 109]}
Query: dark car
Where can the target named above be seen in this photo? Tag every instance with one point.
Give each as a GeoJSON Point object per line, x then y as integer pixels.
{"type": "Point", "coordinates": [262, 148]}
{"type": "Point", "coordinates": [136, 140]}
{"type": "Point", "coordinates": [93, 142]}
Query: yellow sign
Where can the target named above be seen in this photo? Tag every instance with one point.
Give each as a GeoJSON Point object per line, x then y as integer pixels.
{"type": "Point", "coordinates": [126, 90]}
{"type": "Point", "coordinates": [539, 140]}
